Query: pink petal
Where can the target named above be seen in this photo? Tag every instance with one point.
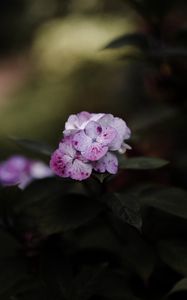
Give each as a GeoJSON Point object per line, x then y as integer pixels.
{"type": "Point", "coordinates": [25, 181]}
{"type": "Point", "coordinates": [99, 166]}
{"type": "Point", "coordinates": [124, 148]}
{"type": "Point", "coordinates": [40, 170]}
{"type": "Point", "coordinates": [76, 122]}
{"type": "Point", "coordinates": [58, 163]}
{"type": "Point", "coordinates": [79, 170]}
{"type": "Point", "coordinates": [83, 117]}
{"type": "Point", "coordinates": [95, 151]}
{"type": "Point", "coordinates": [111, 163]}
{"type": "Point", "coordinates": [106, 120]}
{"type": "Point", "coordinates": [116, 143]}
{"type": "Point", "coordinates": [66, 147]}
{"type": "Point", "coordinates": [93, 129]}
{"type": "Point", "coordinates": [81, 141]}
{"type": "Point", "coordinates": [108, 163]}
{"type": "Point", "coordinates": [121, 127]}
{"type": "Point", "coordinates": [107, 136]}
{"type": "Point", "coordinates": [71, 123]}
{"type": "Point", "coordinates": [96, 117]}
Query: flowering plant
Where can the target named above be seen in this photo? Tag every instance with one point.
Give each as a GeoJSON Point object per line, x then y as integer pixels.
{"type": "Point", "coordinates": [87, 233]}
{"type": "Point", "coordinates": [90, 142]}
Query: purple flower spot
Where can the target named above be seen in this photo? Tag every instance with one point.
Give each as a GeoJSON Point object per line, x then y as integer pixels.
{"type": "Point", "coordinates": [99, 129]}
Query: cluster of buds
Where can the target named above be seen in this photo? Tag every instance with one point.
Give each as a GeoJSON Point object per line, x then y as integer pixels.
{"type": "Point", "coordinates": [90, 142]}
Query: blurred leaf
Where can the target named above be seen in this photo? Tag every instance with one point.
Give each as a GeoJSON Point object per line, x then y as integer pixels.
{"type": "Point", "coordinates": [168, 52]}
{"type": "Point", "coordinates": [34, 146]}
{"type": "Point", "coordinates": [54, 206]}
{"type": "Point", "coordinates": [9, 245]}
{"type": "Point", "coordinates": [67, 213]}
{"type": "Point", "coordinates": [141, 163]}
{"type": "Point", "coordinates": [179, 286]}
{"type": "Point", "coordinates": [174, 254]}
{"type": "Point", "coordinates": [13, 271]}
{"type": "Point", "coordinates": [170, 200]}
{"type": "Point", "coordinates": [132, 39]}
{"type": "Point", "coordinates": [114, 285]}
{"type": "Point", "coordinates": [125, 207]}
{"type": "Point", "coordinates": [85, 283]}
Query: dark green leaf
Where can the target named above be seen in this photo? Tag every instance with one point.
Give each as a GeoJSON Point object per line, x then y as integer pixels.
{"type": "Point", "coordinates": [9, 245]}
{"type": "Point", "coordinates": [125, 207]}
{"type": "Point", "coordinates": [131, 39]}
{"type": "Point", "coordinates": [68, 213]}
{"type": "Point", "coordinates": [179, 286]}
{"type": "Point", "coordinates": [141, 163]}
{"type": "Point", "coordinates": [170, 200]}
{"type": "Point", "coordinates": [174, 254]}
{"type": "Point", "coordinates": [114, 285]}
{"type": "Point", "coordinates": [86, 282]}
{"type": "Point", "coordinates": [13, 271]}
{"type": "Point", "coordinates": [168, 52]}
{"type": "Point", "coordinates": [34, 146]}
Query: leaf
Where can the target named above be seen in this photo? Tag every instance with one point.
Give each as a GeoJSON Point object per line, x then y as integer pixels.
{"type": "Point", "coordinates": [169, 200]}
{"type": "Point", "coordinates": [141, 163]}
{"type": "Point", "coordinates": [13, 271]}
{"type": "Point", "coordinates": [34, 146]}
{"type": "Point", "coordinates": [179, 286]}
{"type": "Point", "coordinates": [9, 245]}
{"type": "Point", "coordinates": [132, 39]}
{"type": "Point", "coordinates": [114, 285]}
{"type": "Point", "coordinates": [125, 207]}
{"type": "Point", "coordinates": [52, 206]}
{"type": "Point", "coordinates": [86, 282]}
{"type": "Point", "coordinates": [170, 52]}
{"type": "Point", "coordinates": [174, 254]}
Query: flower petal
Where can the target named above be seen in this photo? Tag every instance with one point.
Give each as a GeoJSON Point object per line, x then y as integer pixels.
{"type": "Point", "coordinates": [108, 163]}
{"type": "Point", "coordinates": [121, 127]}
{"type": "Point", "coordinates": [99, 166]}
{"type": "Point", "coordinates": [71, 123]}
{"type": "Point", "coordinates": [95, 151]}
{"type": "Point", "coordinates": [40, 170]}
{"type": "Point", "coordinates": [124, 148]}
{"type": "Point", "coordinates": [83, 117]}
{"type": "Point", "coordinates": [93, 129]}
{"type": "Point", "coordinates": [81, 141]}
{"type": "Point", "coordinates": [79, 170]}
{"type": "Point", "coordinates": [107, 136]}
{"type": "Point", "coordinates": [106, 120]}
{"type": "Point", "coordinates": [66, 147]}
{"type": "Point", "coordinates": [96, 117]}
{"type": "Point", "coordinates": [111, 163]}
{"type": "Point", "coordinates": [76, 122]}
{"type": "Point", "coordinates": [58, 163]}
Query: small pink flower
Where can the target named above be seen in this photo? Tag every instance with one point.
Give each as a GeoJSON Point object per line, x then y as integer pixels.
{"type": "Point", "coordinates": [93, 141]}
{"type": "Point", "coordinates": [21, 171]}
{"type": "Point", "coordinates": [108, 163]}
{"type": "Point", "coordinates": [88, 144]}
{"type": "Point", "coordinates": [67, 162]}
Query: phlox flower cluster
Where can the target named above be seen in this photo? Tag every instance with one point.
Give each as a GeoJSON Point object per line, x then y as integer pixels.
{"type": "Point", "coordinates": [90, 142]}
{"type": "Point", "coordinates": [21, 171]}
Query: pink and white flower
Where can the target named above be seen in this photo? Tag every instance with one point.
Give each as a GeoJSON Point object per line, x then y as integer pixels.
{"type": "Point", "coordinates": [67, 162]}
{"type": "Point", "coordinates": [89, 143]}
{"type": "Point", "coordinates": [21, 171]}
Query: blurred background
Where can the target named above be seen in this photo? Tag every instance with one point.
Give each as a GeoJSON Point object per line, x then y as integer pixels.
{"type": "Point", "coordinates": [129, 58]}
